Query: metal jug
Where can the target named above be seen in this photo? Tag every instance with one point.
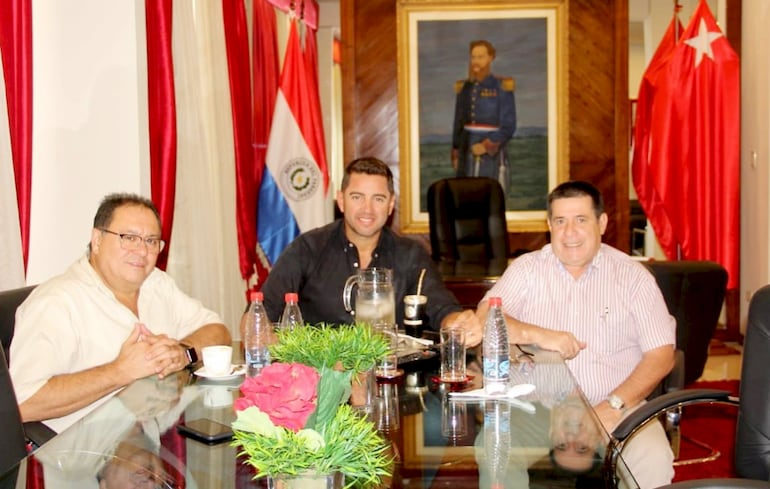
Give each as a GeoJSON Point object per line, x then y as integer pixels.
{"type": "Point", "coordinates": [374, 297]}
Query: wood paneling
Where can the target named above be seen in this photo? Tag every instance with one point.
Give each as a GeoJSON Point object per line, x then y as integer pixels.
{"type": "Point", "coordinates": [597, 106]}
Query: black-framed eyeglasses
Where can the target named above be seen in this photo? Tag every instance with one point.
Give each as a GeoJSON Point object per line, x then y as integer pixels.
{"type": "Point", "coordinates": [132, 242]}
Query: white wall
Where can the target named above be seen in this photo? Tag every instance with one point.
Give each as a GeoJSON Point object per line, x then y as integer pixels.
{"type": "Point", "coordinates": [755, 134]}
{"type": "Point", "coordinates": [89, 131]}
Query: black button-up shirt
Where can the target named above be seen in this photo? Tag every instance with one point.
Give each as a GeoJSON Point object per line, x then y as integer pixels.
{"type": "Point", "coordinates": [317, 264]}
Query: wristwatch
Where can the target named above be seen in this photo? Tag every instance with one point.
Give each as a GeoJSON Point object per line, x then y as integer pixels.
{"type": "Point", "coordinates": [615, 402]}
{"type": "Point", "coordinates": [189, 351]}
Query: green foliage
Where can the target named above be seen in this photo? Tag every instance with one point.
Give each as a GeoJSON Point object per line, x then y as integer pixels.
{"type": "Point", "coordinates": [351, 446]}
{"type": "Point", "coordinates": [355, 346]}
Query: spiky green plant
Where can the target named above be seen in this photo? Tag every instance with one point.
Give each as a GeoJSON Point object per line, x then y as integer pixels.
{"type": "Point", "coordinates": [335, 439]}
{"type": "Point", "coordinates": [355, 346]}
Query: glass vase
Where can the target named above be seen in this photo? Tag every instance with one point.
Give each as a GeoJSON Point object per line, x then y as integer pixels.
{"type": "Point", "coordinates": [307, 480]}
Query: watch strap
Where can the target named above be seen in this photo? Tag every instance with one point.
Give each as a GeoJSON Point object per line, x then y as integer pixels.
{"type": "Point", "coordinates": [192, 355]}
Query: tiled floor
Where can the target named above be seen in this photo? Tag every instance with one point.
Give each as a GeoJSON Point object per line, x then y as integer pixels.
{"type": "Point", "coordinates": [721, 367]}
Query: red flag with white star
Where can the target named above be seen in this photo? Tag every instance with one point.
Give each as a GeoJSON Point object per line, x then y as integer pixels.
{"type": "Point", "coordinates": [695, 153]}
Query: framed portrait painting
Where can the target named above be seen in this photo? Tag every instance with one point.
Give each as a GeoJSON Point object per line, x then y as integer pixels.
{"type": "Point", "coordinates": [482, 92]}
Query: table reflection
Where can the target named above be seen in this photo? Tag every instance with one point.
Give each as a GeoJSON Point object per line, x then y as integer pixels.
{"type": "Point", "coordinates": [548, 438]}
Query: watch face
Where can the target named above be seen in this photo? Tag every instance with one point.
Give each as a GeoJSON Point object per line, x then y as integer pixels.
{"type": "Point", "coordinates": [615, 402]}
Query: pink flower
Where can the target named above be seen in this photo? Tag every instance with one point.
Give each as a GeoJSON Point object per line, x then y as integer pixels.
{"type": "Point", "coordinates": [286, 392]}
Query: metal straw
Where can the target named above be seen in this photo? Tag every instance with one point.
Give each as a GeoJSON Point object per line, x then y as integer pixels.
{"type": "Point", "coordinates": [419, 282]}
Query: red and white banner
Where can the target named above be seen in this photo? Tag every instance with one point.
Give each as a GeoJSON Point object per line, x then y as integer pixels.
{"type": "Point", "coordinates": [688, 178]}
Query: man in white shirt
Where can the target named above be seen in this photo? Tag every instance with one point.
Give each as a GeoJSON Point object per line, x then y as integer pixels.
{"type": "Point", "coordinates": [602, 311]}
{"type": "Point", "coordinates": [110, 319]}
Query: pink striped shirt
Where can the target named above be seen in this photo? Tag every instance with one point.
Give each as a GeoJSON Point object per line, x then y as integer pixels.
{"type": "Point", "coordinates": [615, 306]}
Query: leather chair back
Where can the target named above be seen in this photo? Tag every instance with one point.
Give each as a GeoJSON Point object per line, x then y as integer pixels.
{"type": "Point", "coordinates": [14, 444]}
{"type": "Point", "coordinates": [10, 300]}
{"type": "Point", "coordinates": [752, 443]}
{"type": "Point", "coordinates": [694, 292]}
{"type": "Point", "coordinates": [467, 220]}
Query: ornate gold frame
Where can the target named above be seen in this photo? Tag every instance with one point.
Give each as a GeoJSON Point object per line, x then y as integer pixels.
{"type": "Point", "coordinates": [409, 14]}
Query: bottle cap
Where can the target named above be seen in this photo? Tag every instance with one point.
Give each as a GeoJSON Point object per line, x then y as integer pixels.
{"type": "Point", "coordinates": [495, 301]}
{"type": "Point", "coordinates": [255, 295]}
{"type": "Point", "coordinates": [290, 297]}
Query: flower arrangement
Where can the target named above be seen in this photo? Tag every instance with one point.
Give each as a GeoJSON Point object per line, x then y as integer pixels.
{"type": "Point", "coordinates": [293, 419]}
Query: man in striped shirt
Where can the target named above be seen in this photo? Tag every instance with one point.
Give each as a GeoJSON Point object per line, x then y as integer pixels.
{"type": "Point", "coordinates": [602, 311]}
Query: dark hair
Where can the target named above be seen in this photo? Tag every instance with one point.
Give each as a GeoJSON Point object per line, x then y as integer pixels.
{"type": "Point", "coordinates": [577, 188]}
{"type": "Point", "coordinates": [597, 461]}
{"type": "Point", "coordinates": [482, 42]}
{"type": "Point", "coordinates": [106, 210]}
{"type": "Point", "coordinates": [368, 165]}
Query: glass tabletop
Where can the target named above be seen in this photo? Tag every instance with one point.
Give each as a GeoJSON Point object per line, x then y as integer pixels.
{"type": "Point", "coordinates": [547, 438]}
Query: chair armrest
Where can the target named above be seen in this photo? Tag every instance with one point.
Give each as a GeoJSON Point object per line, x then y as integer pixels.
{"type": "Point", "coordinates": [38, 433]}
{"type": "Point", "coordinates": [653, 408]}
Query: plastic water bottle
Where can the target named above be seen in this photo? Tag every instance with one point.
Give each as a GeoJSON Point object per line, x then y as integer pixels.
{"type": "Point", "coordinates": [257, 334]}
{"type": "Point", "coordinates": [497, 440]}
{"type": "Point", "coordinates": [291, 317]}
{"type": "Point", "coordinates": [496, 363]}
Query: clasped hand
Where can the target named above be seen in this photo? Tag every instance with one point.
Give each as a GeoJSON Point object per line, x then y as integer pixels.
{"type": "Point", "coordinates": [145, 353]}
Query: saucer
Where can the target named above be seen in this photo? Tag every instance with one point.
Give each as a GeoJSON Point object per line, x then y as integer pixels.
{"type": "Point", "coordinates": [438, 379]}
{"type": "Point", "coordinates": [236, 371]}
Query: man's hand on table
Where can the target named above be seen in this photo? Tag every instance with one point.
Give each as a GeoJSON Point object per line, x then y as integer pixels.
{"type": "Point", "coordinates": [468, 321]}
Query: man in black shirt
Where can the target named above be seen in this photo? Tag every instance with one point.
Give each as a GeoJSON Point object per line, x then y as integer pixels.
{"type": "Point", "coordinates": [317, 263]}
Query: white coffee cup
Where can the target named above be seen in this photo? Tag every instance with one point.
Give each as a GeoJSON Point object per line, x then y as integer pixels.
{"type": "Point", "coordinates": [217, 359]}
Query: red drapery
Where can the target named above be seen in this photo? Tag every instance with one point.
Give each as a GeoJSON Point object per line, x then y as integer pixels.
{"type": "Point", "coordinates": [265, 77]}
{"type": "Point", "coordinates": [162, 114]}
{"type": "Point", "coordinates": [237, 48]}
{"type": "Point", "coordinates": [16, 50]}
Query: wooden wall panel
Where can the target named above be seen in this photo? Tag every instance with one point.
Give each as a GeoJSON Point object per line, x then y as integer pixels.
{"type": "Point", "coordinates": [598, 101]}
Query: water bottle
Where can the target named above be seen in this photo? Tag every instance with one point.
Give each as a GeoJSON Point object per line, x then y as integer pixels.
{"type": "Point", "coordinates": [496, 363]}
{"type": "Point", "coordinates": [257, 334]}
{"type": "Point", "coordinates": [497, 440]}
{"type": "Point", "coordinates": [291, 317]}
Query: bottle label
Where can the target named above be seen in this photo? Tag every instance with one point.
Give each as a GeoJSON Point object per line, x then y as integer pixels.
{"type": "Point", "coordinates": [496, 368]}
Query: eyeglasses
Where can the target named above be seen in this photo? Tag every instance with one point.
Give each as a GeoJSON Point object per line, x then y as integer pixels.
{"type": "Point", "coordinates": [132, 242]}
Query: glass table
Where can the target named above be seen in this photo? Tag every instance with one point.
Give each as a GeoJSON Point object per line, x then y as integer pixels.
{"type": "Point", "coordinates": [548, 438]}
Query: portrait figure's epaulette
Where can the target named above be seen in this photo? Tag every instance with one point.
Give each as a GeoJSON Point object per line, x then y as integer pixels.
{"type": "Point", "coordinates": [508, 83]}
{"type": "Point", "coordinates": [459, 85]}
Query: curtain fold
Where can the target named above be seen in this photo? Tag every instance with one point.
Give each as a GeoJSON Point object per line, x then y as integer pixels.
{"type": "Point", "coordinates": [162, 115]}
{"type": "Point", "coordinates": [265, 76]}
{"type": "Point", "coordinates": [315, 131]}
{"type": "Point", "coordinates": [16, 51]}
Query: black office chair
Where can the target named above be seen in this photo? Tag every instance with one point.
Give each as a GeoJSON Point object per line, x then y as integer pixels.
{"type": "Point", "coordinates": [752, 439]}
{"type": "Point", "coordinates": [36, 432]}
{"type": "Point", "coordinates": [694, 292]}
{"type": "Point", "coordinates": [467, 223]}
{"type": "Point", "coordinates": [10, 300]}
{"type": "Point", "coordinates": [14, 445]}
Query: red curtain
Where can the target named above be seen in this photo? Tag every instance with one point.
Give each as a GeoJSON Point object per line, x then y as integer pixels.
{"type": "Point", "coordinates": [237, 48]}
{"type": "Point", "coordinates": [162, 114]}
{"type": "Point", "coordinates": [265, 77]}
{"type": "Point", "coordinates": [16, 50]}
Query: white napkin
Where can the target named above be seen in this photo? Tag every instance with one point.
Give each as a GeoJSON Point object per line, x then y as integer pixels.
{"type": "Point", "coordinates": [509, 396]}
{"type": "Point", "coordinates": [512, 392]}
